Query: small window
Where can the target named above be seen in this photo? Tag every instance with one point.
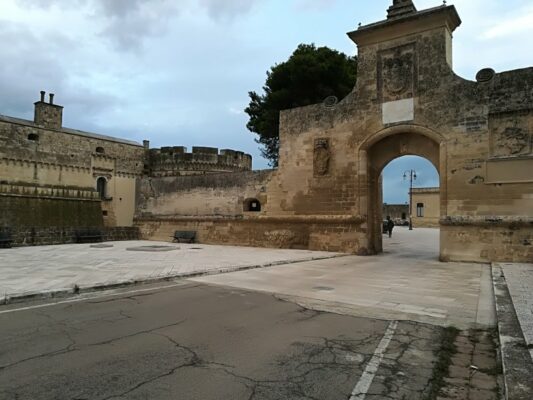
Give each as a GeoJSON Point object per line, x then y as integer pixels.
{"type": "Point", "coordinates": [100, 150]}
{"type": "Point", "coordinates": [101, 187]}
{"type": "Point", "coordinates": [420, 209]}
{"type": "Point", "coordinates": [252, 205]}
{"type": "Point", "coordinates": [104, 213]}
{"type": "Point", "coordinates": [33, 137]}
{"type": "Point", "coordinates": [404, 215]}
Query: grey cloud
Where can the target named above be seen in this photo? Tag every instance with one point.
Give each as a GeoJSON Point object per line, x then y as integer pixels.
{"type": "Point", "coordinates": [126, 23]}
{"type": "Point", "coordinates": [35, 64]}
{"type": "Point", "coordinates": [21, 77]}
{"type": "Point", "coordinates": [129, 22]}
{"type": "Point", "coordinates": [227, 9]}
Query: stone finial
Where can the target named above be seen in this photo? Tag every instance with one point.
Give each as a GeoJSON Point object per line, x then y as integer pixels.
{"type": "Point", "coordinates": [400, 8]}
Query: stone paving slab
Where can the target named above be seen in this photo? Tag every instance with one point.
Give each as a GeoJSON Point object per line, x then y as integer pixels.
{"type": "Point", "coordinates": [28, 270]}
{"type": "Point", "coordinates": [519, 278]}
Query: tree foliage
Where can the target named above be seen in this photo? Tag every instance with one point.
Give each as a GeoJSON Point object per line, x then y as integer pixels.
{"type": "Point", "coordinates": [309, 76]}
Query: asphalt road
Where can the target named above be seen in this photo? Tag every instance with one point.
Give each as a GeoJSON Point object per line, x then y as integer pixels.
{"type": "Point", "coordinates": [196, 342]}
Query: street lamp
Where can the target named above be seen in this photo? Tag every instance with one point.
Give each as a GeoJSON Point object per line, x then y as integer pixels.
{"type": "Point", "coordinates": [412, 177]}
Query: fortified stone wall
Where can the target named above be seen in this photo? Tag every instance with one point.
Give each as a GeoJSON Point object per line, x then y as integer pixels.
{"type": "Point", "coordinates": [51, 235]}
{"type": "Point", "coordinates": [223, 194]}
{"type": "Point", "coordinates": [41, 207]}
{"type": "Point", "coordinates": [175, 161]}
{"type": "Point", "coordinates": [41, 157]}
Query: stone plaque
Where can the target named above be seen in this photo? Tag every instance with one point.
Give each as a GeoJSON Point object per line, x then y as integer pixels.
{"type": "Point", "coordinates": [396, 73]}
{"type": "Point", "coordinates": [398, 111]}
{"type": "Point", "coordinates": [321, 157]}
{"type": "Point", "coordinates": [510, 135]}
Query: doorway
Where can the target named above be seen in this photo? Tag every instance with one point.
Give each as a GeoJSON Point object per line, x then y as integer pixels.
{"type": "Point", "coordinates": [394, 144]}
{"type": "Point", "coordinates": [411, 198]}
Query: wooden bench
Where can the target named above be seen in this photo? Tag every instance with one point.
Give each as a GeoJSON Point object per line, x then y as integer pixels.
{"type": "Point", "coordinates": [185, 236]}
{"type": "Point", "coordinates": [5, 238]}
{"type": "Point", "coordinates": [88, 235]}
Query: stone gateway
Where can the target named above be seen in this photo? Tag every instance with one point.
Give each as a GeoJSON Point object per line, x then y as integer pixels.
{"type": "Point", "coordinates": [326, 193]}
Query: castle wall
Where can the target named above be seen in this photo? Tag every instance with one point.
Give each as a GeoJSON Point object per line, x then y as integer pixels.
{"type": "Point", "coordinates": [37, 206]}
{"type": "Point", "coordinates": [46, 155]}
{"type": "Point", "coordinates": [176, 161]}
{"type": "Point", "coordinates": [220, 194]}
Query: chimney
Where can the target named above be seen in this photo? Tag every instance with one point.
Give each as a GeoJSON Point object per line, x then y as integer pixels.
{"type": "Point", "coordinates": [48, 115]}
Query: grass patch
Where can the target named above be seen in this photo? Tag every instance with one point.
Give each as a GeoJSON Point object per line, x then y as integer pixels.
{"type": "Point", "coordinates": [444, 359]}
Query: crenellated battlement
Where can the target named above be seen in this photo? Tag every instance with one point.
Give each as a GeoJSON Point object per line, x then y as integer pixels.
{"type": "Point", "coordinates": [176, 161]}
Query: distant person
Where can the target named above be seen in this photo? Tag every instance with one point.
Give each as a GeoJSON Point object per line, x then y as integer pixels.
{"type": "Point", "coordinates": [390, 226]}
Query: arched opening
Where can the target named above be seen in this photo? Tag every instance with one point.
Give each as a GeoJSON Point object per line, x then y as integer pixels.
{"type": "Point", "coordinates": [378, 152]}
{"type": "Point", "coordinates": [101, 187]}
{"type": "Point", "coordinates": [411, 197]}
{"type": "Point", "coordinates": [33, 137]}
{"type": "Point", "coordinates": [252, 205]}
{"type": "Point", "coordinates": [100, 150]}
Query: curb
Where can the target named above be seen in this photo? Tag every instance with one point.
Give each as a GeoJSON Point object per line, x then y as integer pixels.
{"type": "Point", "coordinates": [515, 356]}
{"type": "Point", "coordinates": [96, 287]}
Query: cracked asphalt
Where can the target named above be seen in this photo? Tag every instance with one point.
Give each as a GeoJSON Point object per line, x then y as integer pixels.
{"type": "Point", "coordinates": [194, 341]}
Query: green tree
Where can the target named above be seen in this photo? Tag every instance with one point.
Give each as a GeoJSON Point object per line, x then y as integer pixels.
{"type": "Point", "coordinates": [309, 76]}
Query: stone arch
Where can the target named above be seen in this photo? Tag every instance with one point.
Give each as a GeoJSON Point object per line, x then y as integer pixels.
{"type": "Point", "coordinates": [380, 149]}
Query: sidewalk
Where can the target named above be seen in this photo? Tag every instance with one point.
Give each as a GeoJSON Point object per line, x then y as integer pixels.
{"type": "Point", "coordinates": [47, 270]}
{"type": "Point", "coordinates": [513, 291]}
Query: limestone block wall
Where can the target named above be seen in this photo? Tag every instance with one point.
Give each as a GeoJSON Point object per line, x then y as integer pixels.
{"type": "Point", "coordinates": [214, 207]}
{"type": "Point", "coordinates": [222, 194]}
{"type": "Point", "coordinates": [326, 234]}
{"type": "Point", "coordinates": [53, 235]}
{"type": "Point", "coordinates": [35, 206]}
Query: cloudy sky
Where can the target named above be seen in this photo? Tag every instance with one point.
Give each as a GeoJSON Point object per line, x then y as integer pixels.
{"type": "Point", "coordinates": [178, 72]}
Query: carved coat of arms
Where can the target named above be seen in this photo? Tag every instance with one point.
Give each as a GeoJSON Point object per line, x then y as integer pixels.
{"type": "Point", "coordinates": [321, 157]}
{"type": "Point", "coordinates": [396, 77]}
{"type": "Point", "coordinates": [398, 73]}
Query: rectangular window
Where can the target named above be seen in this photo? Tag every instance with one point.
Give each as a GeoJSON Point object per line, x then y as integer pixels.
{"type": "Point", "coordinates": [420, 209]}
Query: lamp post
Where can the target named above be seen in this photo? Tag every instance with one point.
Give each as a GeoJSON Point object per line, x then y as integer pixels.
{"type": "Point", "coordinates": [412, 177]}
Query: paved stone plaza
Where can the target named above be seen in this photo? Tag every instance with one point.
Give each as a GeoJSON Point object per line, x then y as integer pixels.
{"type": "Point", "coordinates": [334, 300]}
{"type": "Point", "coordinates": [406, 282]}
{"type": "Point", "coordinates": [26, 270]}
